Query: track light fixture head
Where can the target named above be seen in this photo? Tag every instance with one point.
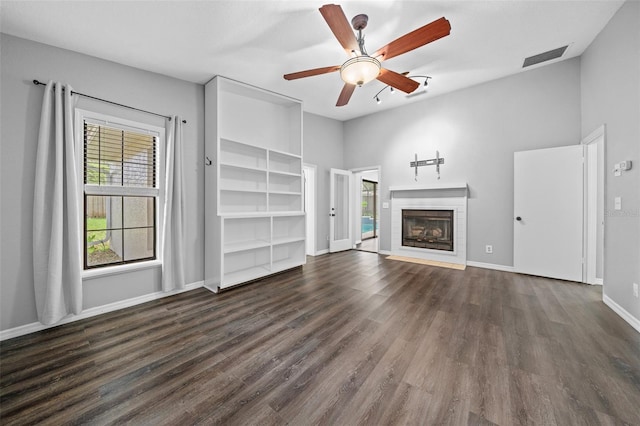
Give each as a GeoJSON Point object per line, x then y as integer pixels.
{"type": "Point", "coordinates": [392, 90]}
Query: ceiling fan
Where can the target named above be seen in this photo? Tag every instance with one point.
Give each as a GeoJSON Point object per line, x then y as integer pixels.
{"type": "Point", "coordinates": [361, 67]}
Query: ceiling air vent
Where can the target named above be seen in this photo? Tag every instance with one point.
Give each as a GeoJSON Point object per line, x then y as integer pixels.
{"type": "Point", "coordinates": [543, 57]}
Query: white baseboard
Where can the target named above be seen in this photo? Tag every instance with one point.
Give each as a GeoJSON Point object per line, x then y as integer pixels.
{"type": "Point", "coordinates": [321, 252]}
{"type": "Point", "coordinates": [490, 266]}
{"type": "Point", "coordinates": [633, 321]}
{"type": "Point", "coordinates": [385, 252]}
{"type": "Point", "coordinates": [598, 281]}
{"type": "Point", "coordinates": [92, 312]}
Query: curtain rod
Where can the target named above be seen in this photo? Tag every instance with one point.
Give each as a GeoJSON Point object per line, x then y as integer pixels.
{"type": "Point", "coordinates": [38, 83]}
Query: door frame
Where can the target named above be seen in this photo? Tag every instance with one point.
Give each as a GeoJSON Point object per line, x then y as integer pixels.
{"type": "Point", "coordinates": [594, 184]}
{"type": "Point", "coordinates": [357, 189]}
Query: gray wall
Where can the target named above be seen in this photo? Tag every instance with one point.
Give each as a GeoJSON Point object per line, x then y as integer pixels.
{"type": "Point", "coordinates": [611, 96]}
{"type": "Point", "coordinates": [23, 61]}
{"type": "Point", "coordinates": [476, 130]}
{"type": "Point", "coordinates": [323, 142]}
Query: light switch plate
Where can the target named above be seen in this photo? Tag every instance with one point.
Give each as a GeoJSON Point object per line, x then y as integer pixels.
{"type": "Point", "coordinates": [385, 205]}
{"type": "Point", "coordinates": [617, 203]}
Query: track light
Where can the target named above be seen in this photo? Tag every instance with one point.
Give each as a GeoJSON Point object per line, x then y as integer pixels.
{"type": "Point", "coordinates": [392, 90]}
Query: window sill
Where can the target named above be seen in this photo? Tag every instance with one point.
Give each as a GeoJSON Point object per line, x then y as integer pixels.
{"type": "Point", "coordinates": [119, 269]}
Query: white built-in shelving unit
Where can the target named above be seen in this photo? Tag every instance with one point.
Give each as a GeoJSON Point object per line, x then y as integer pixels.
{"type": "Point", "coordinates": [254, 220]}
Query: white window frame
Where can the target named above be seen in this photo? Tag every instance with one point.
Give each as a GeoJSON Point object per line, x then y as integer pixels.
{"type": "Point", "coordinates": [82, 116]}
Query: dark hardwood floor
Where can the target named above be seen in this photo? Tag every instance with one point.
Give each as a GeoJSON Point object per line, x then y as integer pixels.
{"type": "Point", "coordinates": [350, 338]}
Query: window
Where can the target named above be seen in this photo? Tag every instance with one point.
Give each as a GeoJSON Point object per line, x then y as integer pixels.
{"type": "Point", "coordinates": [121, 190]}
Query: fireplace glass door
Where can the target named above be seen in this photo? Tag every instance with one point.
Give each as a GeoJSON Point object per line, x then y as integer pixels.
{"type": "Point", "coordinates": [428, 229]}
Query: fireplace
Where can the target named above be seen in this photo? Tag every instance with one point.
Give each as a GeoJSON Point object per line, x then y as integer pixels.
{"type": "Point", "coordinates": [428, 229]}
{"type": "Point", "coordinates": [448, 199]}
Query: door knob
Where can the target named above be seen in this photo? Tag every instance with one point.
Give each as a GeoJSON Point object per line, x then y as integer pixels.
{"type": "Point", "coordinates": [518, 218]}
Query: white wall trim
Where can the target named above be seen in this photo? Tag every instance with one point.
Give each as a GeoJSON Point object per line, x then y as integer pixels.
{"type": "Point", "coordinates": [321, 252]}
{"type": "Point", "coordinates": [633, 321]}
{"type": "Point", "coordinates": [494, 266]}
{"type": "Point", "coordinates": [385, 252]}
{"type": "Point", "coordinates": [92, 312]}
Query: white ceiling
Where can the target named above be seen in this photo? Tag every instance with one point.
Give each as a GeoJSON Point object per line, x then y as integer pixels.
{"type": "Point", "coordinates": [258, 41]}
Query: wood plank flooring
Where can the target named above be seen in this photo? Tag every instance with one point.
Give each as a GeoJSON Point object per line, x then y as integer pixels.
{"type": "Point", "coordinates": [350, 338]}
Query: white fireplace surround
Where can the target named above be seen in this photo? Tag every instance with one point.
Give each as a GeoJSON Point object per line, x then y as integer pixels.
{"type": "Point", "coordinates": [433, 197]}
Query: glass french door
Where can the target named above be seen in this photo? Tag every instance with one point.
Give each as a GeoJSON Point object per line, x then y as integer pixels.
{"type": "Point", "coordinates": [339, 216]}
{"type": "Point", "coordinates": [369, 215]}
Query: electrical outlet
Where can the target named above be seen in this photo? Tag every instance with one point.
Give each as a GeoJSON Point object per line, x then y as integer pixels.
{"type": "Point", "coordinates": [488, 249]}
{"type": "Point", "coordinates": [635, 289]}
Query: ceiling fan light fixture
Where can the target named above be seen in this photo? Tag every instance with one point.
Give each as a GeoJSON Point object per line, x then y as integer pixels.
{"type": "Point", "coordinates": [360, 70]}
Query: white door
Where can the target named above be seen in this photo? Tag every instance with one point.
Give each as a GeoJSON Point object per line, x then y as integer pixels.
{"type": "Point", "coordinates": [548, 212]}
{"type": "Point", "coordinates": [339, 221]}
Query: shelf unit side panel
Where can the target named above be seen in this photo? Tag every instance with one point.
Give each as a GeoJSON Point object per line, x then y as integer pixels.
{"type": "Point", "coordinates": [213, 226]}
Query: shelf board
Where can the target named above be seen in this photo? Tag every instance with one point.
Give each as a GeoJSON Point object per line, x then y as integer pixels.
{"type": "Point", "coordinates": [285, 213]}
{"type": "Point", "coordinates": [253, 191]}
{"type": "Point", "coordinates": [243, 89]}
{"type": "Point", "coordinates": [278, 172]}
{"type": "Point", "coordinates": [245, 246]}
{"type": "Point", "coordinates": [285, 193]}
{"type": "Point", "coordinates": [240, 167]}
{"type": "Point", "coordinates": [286, 240]}
{"type": "Point", "coordinates": [248, 215]}
{"type": "Point", "coordinates": [285, 264]}
{"type": "Point", "coordinates": [261, 148]}
{"type": "Point", "coordinates": [286, 154]}
{"type": "Point", "coordinates": [244, 275]}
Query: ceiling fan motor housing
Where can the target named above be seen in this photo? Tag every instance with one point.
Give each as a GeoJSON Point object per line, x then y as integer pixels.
{"type": "Point", "coordinates": [359, 22]}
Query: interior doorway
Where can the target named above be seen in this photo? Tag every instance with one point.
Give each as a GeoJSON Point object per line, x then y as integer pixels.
{"type": "Point", "coordinates": [369, 215]}
{"type": "Point", "coordinates": [594, 174]}
{"type": "Point", "coordinates": [367, 218]}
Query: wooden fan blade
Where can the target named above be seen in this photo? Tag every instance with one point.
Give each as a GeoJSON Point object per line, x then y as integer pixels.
{"type": "Point", "coordinates": [345, 95]}
{"type": "Point", "coordinates": [340, 27]}
{"type": "Point", "coordinates": [309, 73]}
{"type": "Point", "coordinates": [423, 35]}
{"type": "Point", "coordinates": [397, 81]}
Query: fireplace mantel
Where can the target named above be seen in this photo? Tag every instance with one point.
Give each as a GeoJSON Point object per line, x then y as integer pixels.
{"type": "Point", "coordinates": [445, 196]}
{"type": "Point", "coordinates": [440, 187]}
